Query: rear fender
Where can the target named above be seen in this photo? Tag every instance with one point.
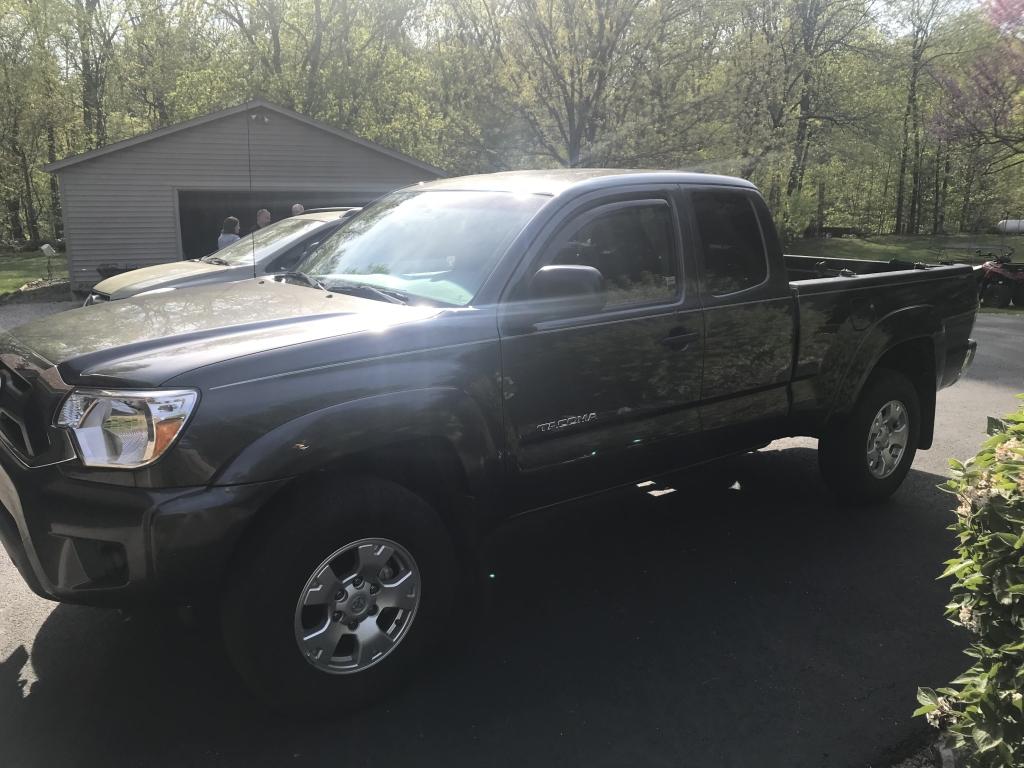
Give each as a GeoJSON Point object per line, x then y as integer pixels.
{"type": "Point", "coordinates": [910, 325]}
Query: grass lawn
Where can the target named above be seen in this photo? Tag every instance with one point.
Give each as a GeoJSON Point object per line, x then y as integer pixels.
{"type": "Point", "coordinates": [909, 247]}
{"type": "Point", "coordinates": [16, 269]}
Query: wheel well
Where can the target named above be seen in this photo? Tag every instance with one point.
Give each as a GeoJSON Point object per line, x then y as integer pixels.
{"type": "Point", "coordinates": [429, 467]}
{"type": "Point", "coordinates": [916, 360]}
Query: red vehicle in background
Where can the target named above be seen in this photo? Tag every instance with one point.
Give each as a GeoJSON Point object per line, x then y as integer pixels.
{"type": "Point", "coordinates": [1000, 281]}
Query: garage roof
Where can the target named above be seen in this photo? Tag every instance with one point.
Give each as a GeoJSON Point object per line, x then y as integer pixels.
{"type": "Point", "coordinates": [244, 107]}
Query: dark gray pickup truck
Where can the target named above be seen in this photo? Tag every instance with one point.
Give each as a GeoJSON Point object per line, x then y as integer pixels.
{"type": "Point", "coordinates": [319, 454]}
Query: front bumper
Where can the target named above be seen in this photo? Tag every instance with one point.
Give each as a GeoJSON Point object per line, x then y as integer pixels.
{"type": "Point", "coordinates": [98, 544]}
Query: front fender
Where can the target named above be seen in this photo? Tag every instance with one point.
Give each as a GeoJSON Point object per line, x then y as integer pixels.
{"type": "Point", "coordinates": [329, 435]}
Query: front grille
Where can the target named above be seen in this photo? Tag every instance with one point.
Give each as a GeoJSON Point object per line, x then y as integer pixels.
{"type": "Point", "coordinates": [26, 434]}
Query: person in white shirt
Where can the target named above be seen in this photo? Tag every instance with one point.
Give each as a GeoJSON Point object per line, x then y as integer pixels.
{"type": "Point", "coordinates": [228, 232]}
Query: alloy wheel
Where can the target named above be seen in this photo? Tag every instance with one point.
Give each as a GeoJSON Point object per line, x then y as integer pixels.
{"type": "Point", "coordinates": [887, 439]}
{"type": "Point", "coordinates": [357, 606]}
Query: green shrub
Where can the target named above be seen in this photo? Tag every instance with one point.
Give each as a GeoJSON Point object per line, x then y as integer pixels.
{"type": "Point", "coordinates": [984, 710]}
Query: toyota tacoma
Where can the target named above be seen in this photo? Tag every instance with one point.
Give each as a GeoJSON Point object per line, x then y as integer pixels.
{"type": "Point", "coordinates": [319, 453]}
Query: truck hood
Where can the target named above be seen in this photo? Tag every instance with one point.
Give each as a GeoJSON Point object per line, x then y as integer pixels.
{"type": "Point", "coordinates": [145, 340]}
{"type": "Point", "coordinates": [177, 274]}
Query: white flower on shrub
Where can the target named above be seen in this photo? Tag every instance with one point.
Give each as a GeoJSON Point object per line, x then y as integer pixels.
{"type": "Point", "coordinates": [980, 492]}
{"type": "Point", "coordinates": [941, 715]}
{"type": "Point", "coordinates": [1010, 450]}
{"type": "Point", "coordinates": [968, 619]}
{"type": "Point", "coordinates": [965, 508]}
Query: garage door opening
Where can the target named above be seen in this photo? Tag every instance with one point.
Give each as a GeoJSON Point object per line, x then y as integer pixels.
{"type": "Point", "coordinates": [201, 213]}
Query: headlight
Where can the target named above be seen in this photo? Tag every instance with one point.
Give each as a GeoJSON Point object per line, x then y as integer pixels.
{"type": "Point", "coordinates": [125, 429]}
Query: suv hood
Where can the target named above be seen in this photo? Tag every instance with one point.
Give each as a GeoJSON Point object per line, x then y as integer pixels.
{"type": "Point", "coordinates": [146, 340]}
{"type": "Point", "coordinates": [177, 274]}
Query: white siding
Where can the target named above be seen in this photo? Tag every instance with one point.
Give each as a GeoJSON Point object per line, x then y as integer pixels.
{"type": "Point", "coordinates": [122, 207]}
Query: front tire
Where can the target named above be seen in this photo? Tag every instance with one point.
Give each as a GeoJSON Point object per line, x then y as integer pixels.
{"type": "Point", "coordinates": [332, 603]}
{"type": "Point", "coordinates": [865, 456]}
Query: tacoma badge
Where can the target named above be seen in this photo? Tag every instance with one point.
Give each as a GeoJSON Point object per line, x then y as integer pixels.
{"type": "Point", "coordinates": [567, 421]}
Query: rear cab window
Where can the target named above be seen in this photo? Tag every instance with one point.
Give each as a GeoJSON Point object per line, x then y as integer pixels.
{"type": "Point", "coordinates": [732, 254]}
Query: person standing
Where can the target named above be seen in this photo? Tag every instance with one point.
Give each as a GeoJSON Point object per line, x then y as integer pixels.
{"type": "Point", "coordinates": [262, 220]}
{"type": "Point", "coordinates": [228, 232]}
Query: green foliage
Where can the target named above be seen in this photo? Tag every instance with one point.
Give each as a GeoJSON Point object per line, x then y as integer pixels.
{"type": "Point", "coordinates": [984, 710]}
{"type": "Point", "coordinates": [799, 96]}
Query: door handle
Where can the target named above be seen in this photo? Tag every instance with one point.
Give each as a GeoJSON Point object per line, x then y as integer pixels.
{"type": "Point", "coordinates": [679, 340]}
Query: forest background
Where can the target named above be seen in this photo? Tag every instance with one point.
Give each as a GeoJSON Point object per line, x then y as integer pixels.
{"type": "Point", "coordinates": [884, 116]}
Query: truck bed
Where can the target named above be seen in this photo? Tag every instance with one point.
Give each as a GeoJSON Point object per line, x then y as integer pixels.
{"type": "Point", "coordinates": [846, 309]}
{"type": "Point", "coordinates": [816, 267]}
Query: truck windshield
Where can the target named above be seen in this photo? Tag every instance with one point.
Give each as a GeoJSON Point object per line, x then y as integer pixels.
{"type": "Point", "coordinates": [264, 243]}
{"type": "Point", "coordinates": [434, 245]}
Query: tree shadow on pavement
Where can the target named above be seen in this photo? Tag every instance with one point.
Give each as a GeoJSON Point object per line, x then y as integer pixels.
{"type": "Point", "coordinates": [762, 625]}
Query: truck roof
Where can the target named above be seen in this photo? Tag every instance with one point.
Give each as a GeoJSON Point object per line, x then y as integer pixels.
{"type": "Point", "coordinates": [554, 182]}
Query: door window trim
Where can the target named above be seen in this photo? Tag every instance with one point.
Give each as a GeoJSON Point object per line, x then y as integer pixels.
{"type": "Point", "coordinates": [580, 218]}
{"type": "Point", "coordinates": [699, 242]}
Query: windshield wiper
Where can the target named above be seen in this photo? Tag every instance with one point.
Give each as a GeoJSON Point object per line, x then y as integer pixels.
{"type": "Point", "coordinates": [216, 260]}
{"type": "Point", "coordinates": [294, 274]}
{"type": "Point", "coordinates": [383, 294]}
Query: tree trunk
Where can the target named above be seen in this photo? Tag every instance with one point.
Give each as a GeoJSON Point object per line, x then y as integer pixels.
{"type": "Point", "coordinates": [820, 215]}
{"type": "Point", "coordinates": [92, 85]}
{"type": "Point", "coordinates": [573, 145]}
{"type": "Point", "coordinates": [56, 214]}
{"type": "Point", "coordinates": [31, 212]}
{"type": "Point", "coordinates": [310, 104]}
{"type": "Point", "coordinates": [14, 219]}
{"type": "Point", "coordinates": [915, 199]}
{"type": "Point", "coordinates": [914, 219]}
{"type": "Point", "coordinates": [27, 196]}
{"type": "Point", "coordinates": [884, 198]}
{"type": "Point", "coordinates": [800, 143]}
{"type": "Point", "coordinates": [775, 194]}
{"type": "Point", "coordinates": [901, 181]}
{"type": "Point", "coordinates": [941, 207]}
{"type": "Point", "coordinates": [965, 207]}
{"type": "Point", "coordinates": [901, 174]}
{"type": "Point", "coordinates": [909, 114]}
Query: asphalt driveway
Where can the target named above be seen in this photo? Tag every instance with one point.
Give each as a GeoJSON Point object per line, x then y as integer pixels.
{"type": "Point", "coordinates": [762, 626]}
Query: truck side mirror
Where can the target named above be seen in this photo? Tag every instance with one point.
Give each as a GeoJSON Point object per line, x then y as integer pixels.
{"type": "Point", "coordinates": [566, 290]}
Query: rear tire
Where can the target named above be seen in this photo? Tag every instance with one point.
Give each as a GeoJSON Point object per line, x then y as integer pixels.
{"type": "Point", "coordinates": [342, 534]}
{"type": "Point", "coordinates": [865, 456]}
